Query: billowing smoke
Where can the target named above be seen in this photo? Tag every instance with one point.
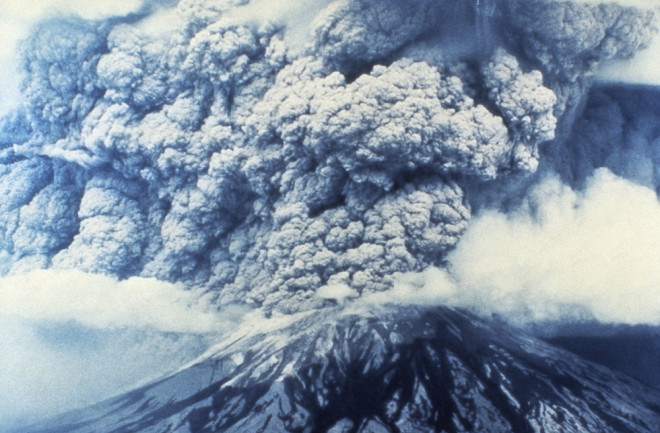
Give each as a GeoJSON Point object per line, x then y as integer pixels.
{"type": "Point", "coordinates": [285, 157]}
{"type": "Point", "coordinates": [218, 158]}
{"type": "Point", "coordinates": [17, 19]}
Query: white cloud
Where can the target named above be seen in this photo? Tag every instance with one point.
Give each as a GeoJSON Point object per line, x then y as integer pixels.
{"type": "Point", "coordinates": [564, 253]}
{"type": "Point", "coordinates": [163, 22]}
{"type": "Point", "coordinates": [598, 249]}
{"type": "Point", "coordinates": [338, 292]}
{"type": "Point", "coordinates": [431, 287]}
{"type": "Point", "coordinates": [102, 302]}
{"type": "Point", "coordinates": [297, 17]}
{"type": "Point", "coordinates": [291, 12]}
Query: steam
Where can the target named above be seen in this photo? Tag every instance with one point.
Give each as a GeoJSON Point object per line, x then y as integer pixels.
{"type": "Point", "coordinates": [563, 254]}
{"type": "Point", "coordinates": [99, 301]}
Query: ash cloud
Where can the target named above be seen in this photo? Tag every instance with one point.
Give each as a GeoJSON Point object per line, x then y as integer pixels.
{"type": "Point", "coordinates": [220, 158]}
{"type": "Point", "coordinates": [641, 69]}
{"type": "Point", "coordinates": [18, 19]}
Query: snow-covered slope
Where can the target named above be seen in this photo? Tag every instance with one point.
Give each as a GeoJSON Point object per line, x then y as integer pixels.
{"type": "Point", "coordinates": [383, 370]}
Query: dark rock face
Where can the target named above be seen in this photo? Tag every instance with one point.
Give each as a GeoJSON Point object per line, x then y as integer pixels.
{"type": "Point", "coordinates": [386, 370]}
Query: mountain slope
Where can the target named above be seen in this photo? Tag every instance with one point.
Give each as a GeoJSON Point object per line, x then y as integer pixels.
{"type": "Point", "coordinates": [387, 370]}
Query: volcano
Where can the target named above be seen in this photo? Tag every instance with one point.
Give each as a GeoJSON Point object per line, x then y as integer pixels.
{"type": "Point", "coordinates": [386, 369]}
{"type": "Point", "coordinates": [172, 165]}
